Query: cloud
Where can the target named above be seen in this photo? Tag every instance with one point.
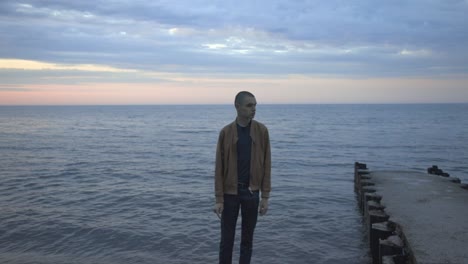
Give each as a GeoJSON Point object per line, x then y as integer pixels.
{"type": "Point", "coordinates": [36, 65]}
{"type": "Point", "coordinates": [337, 37]}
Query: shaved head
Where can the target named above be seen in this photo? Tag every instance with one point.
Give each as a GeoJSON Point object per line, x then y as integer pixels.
{"type": "Point", "coordinates": [240, 97]}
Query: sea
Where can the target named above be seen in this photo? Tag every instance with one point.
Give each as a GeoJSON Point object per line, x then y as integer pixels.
{"type": "Point", "coordinates": [134, 184]}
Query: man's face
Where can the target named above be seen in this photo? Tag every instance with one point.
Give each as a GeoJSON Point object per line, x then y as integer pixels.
{"type": "Point", "coordinates": [246, 108]}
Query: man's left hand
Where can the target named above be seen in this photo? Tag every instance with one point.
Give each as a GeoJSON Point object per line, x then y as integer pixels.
{"type": "Point", "coordinates": [263, 207]}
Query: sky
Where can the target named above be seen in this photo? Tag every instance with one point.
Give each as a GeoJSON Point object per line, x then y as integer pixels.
{"type": "Point", "coordinates": [204, 52]}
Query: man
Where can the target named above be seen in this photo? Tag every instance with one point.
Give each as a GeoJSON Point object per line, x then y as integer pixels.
{"type": "Point", "coordinates": [243, 166]}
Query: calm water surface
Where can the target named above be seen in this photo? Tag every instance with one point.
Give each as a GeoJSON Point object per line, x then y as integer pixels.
{"type": "Point", "coordinates": [134, 184]}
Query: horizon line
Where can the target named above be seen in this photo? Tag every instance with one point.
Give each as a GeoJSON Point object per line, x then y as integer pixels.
{"type": "Point", "coordinates": [226, 104]}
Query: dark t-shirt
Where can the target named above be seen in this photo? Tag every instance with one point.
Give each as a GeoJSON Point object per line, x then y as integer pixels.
{"type": "Point", "coordinates": [244, 146]}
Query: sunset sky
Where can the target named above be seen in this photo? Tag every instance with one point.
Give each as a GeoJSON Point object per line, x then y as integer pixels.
{"type": "Point", "coordinates": [204, 52]}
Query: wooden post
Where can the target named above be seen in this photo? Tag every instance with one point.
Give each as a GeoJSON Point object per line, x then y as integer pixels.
{"type": "Point", "coordinates": [393, 245]}
{"type": "Point", "coordinates": [454, 179]}
{"type": "Point", "coordinates": [377, 232]}
{"type": "Point", "coordinates": [359, 170]}
{"type": "Point", "coordinates": [376, 216]}
{"type": "Point", "coordinates": [369, 195]}
{"type": "Point", "coordinates": [372, 205]}
{"type": "Point", "coordinates": [395, 259]}
{"type": "Point", "coordinates": [387, 260]}
{"type": "Point", "coordinates": [362, 197]}
{"type": "Point", "coordinates": [366, 183]}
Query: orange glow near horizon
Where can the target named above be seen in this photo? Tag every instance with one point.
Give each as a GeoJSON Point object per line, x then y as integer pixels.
{"type": "Point", "coordinates": [293, 89]}
{"type": "Point", "coordinates": [114, 86]}
{"type": "Point", "coordinates": [38, 65]}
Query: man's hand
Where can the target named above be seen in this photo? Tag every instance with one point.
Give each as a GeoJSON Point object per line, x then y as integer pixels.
{"type": "Point", "coordinates": [218, 209]}
{"type": "Point", "coordinates": [263, 206]}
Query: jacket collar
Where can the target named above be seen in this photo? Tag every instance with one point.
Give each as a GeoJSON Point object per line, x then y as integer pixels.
{"type": "Point", "coordinates": [253, 131]}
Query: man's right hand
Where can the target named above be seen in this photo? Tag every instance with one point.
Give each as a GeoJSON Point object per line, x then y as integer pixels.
{"type": "Point", "coordinates": [218, 209]}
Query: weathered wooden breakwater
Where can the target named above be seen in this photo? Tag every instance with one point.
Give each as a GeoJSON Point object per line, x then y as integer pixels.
{"type": "Point", "coordinates": [412, 217]}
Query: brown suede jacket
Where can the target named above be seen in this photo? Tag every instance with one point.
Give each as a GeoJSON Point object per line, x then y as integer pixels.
{"type": "Point", "coordinates": [226, 161]}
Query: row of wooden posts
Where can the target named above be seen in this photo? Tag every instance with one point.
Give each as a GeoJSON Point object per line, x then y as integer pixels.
{"type": "Point", "coordinates": [436, 171]}
{"type": "Point", "coordinates": [386, 240]}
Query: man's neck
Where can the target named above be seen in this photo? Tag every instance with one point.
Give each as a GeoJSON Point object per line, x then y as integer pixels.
{"type": "Point", "coordinates": [243, 122]}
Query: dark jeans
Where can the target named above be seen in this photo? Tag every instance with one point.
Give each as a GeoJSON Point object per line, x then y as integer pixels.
{"type": "Point", "coordinates": [248, 203]}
